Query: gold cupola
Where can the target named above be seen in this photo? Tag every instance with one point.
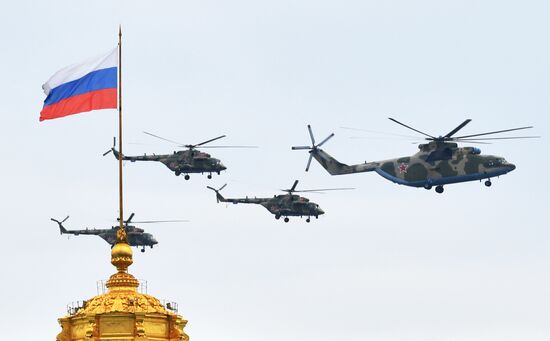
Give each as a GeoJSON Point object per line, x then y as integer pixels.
{"type": "Point", "coordinates": [122, 313]}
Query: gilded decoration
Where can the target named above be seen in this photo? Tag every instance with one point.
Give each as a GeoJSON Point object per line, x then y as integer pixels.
{"type": "Point", "coordinates": [140, 316]}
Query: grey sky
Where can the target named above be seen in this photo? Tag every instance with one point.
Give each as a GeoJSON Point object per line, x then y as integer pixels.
{"type": "Point", "coordinates": [386, 262]}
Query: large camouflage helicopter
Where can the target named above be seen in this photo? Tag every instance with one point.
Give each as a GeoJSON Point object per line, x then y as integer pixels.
{"type": "Point", "coordinates": [283, 205]}
{"type": "Point", "coordinates": [438, 162]}
{"type": "Point", "coordinates": [136, 237]}
{"type": "Point", "coordinates": [186, 161]}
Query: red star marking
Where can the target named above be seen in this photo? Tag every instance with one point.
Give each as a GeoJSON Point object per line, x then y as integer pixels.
{"type": "Point", "coordinates": [403, 168]}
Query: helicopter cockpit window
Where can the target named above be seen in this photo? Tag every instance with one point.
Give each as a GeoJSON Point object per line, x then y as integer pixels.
{"type": "Point", "coordinates": [495, 162]}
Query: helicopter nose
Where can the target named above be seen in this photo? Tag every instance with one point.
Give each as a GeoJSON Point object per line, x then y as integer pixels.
{"type": "Point", "coordinates": [320, 211]}
{"type": "Point", "coordinates": [222, 167]}
{"type": "Point", "coordinates": [511, 167]}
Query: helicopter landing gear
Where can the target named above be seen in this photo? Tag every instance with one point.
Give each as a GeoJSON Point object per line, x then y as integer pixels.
{"type": "Point", "coordinates": [308, 220]}
{"type": "Point", "coordinates": [186, 177]}
{"type": "Point", "coordinates": [488, 183]}
{"type": "Point", "coordinates": [143, 249]}
{"type": "Point", "coordinates": [277, 216]}
{"type": "Point", "coordinates": [287, 220]}
{"type": "Point", "coordinates": [177, 173]}
{"type": "Point", "coordinates": [439, 189]}
{"type": "Point", "coordinates": [209, 176]}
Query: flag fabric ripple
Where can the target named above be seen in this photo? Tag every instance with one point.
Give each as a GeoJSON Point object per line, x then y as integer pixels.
{"type": "Point", "coordinates": [87, 86]}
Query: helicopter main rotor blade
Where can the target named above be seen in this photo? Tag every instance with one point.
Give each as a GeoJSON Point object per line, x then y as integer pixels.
{"type": "Point", "coordinates": [129, 218]}
{"type": "Point", "coordinates": [159, 221]}
{"type": "Point", "coordinates": [379, 132]}
{"type": "Point", "coordinates": [494, 132]}
{"type": "Point", "coordinates": [455, 130]}
{"type": "Point", "coordinates": [309, 162]}
{"type": "Point", "coordinates": [326, 189]}
{"type": "Point", "coordinates": [229, 147]}
{"type": "Point", "coordinates": [293, 186]}
{"type": "Point", "coordinates": [325, 140]}
{"type": "Point", "coordinates": [406, 126]}
{"type": "Point", "coordinates": [501, 138]}
{"type": "Point", "coordinates": [301, 147]}
{"type": "Point", "coordinates": [205, 142]}
{"type": "Point", "coordinates": [162, 138]}
{"type": "Point", "coordinates": [471, 141]}
{"type": "Point", "coordinates": [311, 135]}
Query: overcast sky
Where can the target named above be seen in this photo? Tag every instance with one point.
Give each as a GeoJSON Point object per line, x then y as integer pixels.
{"type": "Point", "coordinates": [386, 262]}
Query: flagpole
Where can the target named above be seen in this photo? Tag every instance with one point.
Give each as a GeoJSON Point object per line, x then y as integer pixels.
{"type": "Point", "coordinates": [122, 232]}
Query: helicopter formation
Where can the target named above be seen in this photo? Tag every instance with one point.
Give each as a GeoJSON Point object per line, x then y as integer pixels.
{"type": "Point", "coordinates": [438, 162]}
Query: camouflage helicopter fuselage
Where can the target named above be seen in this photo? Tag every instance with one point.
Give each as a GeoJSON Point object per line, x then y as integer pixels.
{"type": "Point", "coordinates": [182, 162]}
{"type": "Point", "coordinates": [283, 205]}
{"type": "Point", "coordinates": [135, 236]}
{"type": "Point", "coordinates": [436, 164]}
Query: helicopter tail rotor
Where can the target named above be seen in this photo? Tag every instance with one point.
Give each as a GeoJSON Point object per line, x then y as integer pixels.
{"type": "Point", "coordinates": [219, 197]}
{"type": "Point", "coordinates": [314, 147]}
{"type": "Point", "coordinates": [60, 223]}
{"type": "Point", "coordinates": [112, 150]}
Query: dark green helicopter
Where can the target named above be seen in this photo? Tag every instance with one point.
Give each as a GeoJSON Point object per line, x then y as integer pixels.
{"type": "Point", "coordinates": [437, 163]}
{"type": "Point", "coordinates": [186, 161]}
{"type": "Point", "coordinates": [136, 237]}
{"type": "Point", "coordinates": [283, 205]}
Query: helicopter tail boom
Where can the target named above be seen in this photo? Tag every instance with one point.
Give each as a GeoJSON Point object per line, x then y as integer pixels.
{"type": "Point", "coordinates": [335, 167]}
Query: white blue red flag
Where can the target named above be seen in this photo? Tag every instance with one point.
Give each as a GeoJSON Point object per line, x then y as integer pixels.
{"type": "Point", "coordinates": [87, 86]}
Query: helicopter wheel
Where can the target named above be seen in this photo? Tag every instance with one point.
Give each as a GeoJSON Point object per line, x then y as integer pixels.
{"type": "Point", "coordinates": [287, 220]}
{"type": "Point", "coordinates": [209, 176]}
{"type": "Point", "coordinates": [488, 183]}
{"type": "Point", "coordinates": [187, 177]}
{"type": "Point", "coordinates": [143, 250]}
{"type": "Point", "coordinates": [308, 220]}
{"type": "Point", "coordinates": [439, 189]}
{"type": "Point", "coordinates": [428, 187]}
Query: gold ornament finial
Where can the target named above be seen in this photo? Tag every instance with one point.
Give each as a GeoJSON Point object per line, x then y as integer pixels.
{"type": "Point", "coordinates": [121, 235]}
{"type": "Point", "coordinates": [121, 258]}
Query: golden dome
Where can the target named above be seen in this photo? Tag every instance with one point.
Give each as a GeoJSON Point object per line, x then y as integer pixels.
{"type": "Point", "coordinates": [122, 313]}
{"type": "Point", "coordinates": [118, 301]}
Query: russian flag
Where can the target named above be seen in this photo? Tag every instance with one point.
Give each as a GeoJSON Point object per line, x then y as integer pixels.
{"type": "Point", "coordinates": [87, 86]}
